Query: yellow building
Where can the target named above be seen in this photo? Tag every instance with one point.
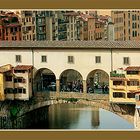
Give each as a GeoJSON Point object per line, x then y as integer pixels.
{"type": "Point", "coordinates": [16, 82]}
{"type": "Point", "coordinates": [123, 86]}
{"type": "Point", "coordinates": [4, 70]}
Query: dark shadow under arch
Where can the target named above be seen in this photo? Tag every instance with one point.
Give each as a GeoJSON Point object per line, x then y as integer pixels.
{"type": "Point", "coordinates": [98, 81]}
{"type": "Point", "coordinates": [44, 80]}
{"type": "Point", "coordinates": [71, 81]}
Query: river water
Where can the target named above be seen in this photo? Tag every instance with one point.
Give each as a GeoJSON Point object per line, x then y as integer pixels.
{"type": "Point", "coordinates": [75, 116]}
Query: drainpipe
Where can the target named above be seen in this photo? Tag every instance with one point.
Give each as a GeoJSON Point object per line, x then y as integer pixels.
{"type": "Point", "coordinates": [111, 59]}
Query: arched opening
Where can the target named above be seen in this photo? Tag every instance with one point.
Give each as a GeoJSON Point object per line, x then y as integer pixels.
{"type": "Point", "coordinates": [98, 82]}
{"type": "Point", "coordinates": [71, 81]}
{"type": "Point", "coordinates": [44, 80]}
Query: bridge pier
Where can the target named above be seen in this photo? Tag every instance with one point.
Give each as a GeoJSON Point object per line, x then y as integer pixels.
{"type": "Point", "coordinates": [57, 86]}
{"type": "Point", "coordinates": [84, 87]}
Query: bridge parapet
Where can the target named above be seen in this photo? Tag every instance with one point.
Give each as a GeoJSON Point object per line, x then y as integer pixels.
{"type": "Point", "coordinates": [79, 96]}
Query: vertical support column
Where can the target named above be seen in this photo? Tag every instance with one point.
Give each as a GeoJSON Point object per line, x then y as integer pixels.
{"type": "Point", "coordinates": [84, 87]}
{"type": "Point", "coordinates": [57, 86]}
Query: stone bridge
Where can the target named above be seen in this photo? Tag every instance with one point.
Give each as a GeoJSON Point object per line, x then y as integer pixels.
{"type": "Point", "coordinates": [42, 100]}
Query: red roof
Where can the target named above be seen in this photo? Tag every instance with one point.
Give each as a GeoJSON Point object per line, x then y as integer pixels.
{"type": "Point", "coordinates": [23, 67]}
{"type": "Point", "coordinates": [133, 68]}
{"type": "Point", "coordinates": [5, 68]}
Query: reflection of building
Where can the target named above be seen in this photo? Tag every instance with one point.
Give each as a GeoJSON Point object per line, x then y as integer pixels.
{"type": "Point", "coordinates": [95, 118]}
{"type": "Point", "coordinates": [16, 82]}
{"type": "Point", "coordinates": [123, 86]}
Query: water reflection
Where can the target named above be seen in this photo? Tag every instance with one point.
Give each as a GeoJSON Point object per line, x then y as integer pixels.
{"type": "Point", "coordinates": [75, 116]}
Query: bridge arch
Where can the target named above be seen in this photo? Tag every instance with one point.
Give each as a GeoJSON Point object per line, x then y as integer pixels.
{"type": "Point", "coordinates": [71, 81]}
{"type": "Point", "coordinates": [97, 81]}
{"type": "Point", "coordinates": [44, 80]}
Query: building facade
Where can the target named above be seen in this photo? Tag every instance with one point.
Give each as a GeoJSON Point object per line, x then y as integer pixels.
{"type": "Point", "coordinates": [124, 85]}
{"type": "Point", "coordinates": [126, 25]}
{"type": "Point", "coordinates": [10, 27]}
{"type": "Point", "coordinates": [28, 22]}
{"type": "Point", "coordinates": [15, 82]}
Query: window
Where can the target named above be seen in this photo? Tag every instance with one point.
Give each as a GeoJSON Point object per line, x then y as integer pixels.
{"type": "Point", "coordinates": [133, 34]}
{"type": "Point", "coordinates": [70, 59]}
{"type": "Point", "coordinates": [133, 25]}
{"type": "Point", "coordinates": [19, 80]}
{"type": "Point", "coordinates": [8, 90]}
{"type": "Point", "coordinates": [129, 23]}
{"type": "Point", "coordinates": [133, 17]}
{"type": "Point", "coordinates": [15, 29]}
{"type": "Point", "coordinates": [24, 90]}
{"type": "Point", "coordinates": [129, 31]}
{"type": "Point", "coordinates": [18, 58]}
{"type": "Point", "coordinates": [26, 19]}
{"type": "Point", "coordinates": [97, 59]}
{"type": "Point", "coordinates": [19, 90]}
{"type": "Point", "coordinates": [11, 30]}
{"type": "Point", "coordinates": [133, 83]}
{"type": "Point", "coordinates": [133, 72]}
{"type": "Point", "coordinates": [43, 58]}
{"type": "Point", "coordinates": [8, 78]}
{"type": "Point", "coordinates": [126, 61]}
{"type": "Point", "coordinates": [117, 83]}
{"type": "Point", "coordinates": [118, 95]}
{"type": "Point", "coordinates": [19, 71]}
{"type": "Point", "coordinates": [130, 95]}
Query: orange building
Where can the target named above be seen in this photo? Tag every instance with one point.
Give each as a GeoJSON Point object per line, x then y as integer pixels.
{"type": "Point", "coordinates": [99, 30]}
{"type": "Point", "coordinates": [87, 27]}
{"type": "Point", "coordinates": [10, 28]}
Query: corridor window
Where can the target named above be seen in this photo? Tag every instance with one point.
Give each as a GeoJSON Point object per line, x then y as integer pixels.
{"type": "Point", "coordinates": [97, 59]}
{"type": "Point", "coordinates": [18, 58]}
{"type": "Point", "coordinates": [70, 59]}
{"type": "Point", "coordinates": [126, 61]}
{"type": "Point", "coordinates": [43, 58]}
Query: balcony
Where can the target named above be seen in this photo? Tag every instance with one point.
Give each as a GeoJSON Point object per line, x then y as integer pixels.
{"type": "Point", "coordinates": [119, 87]}
{"type": "Point", "coordinates": [129, 76]}
{"type": "Point", "coordinates": [114, 74]}
{"type": "Point", "coordinates": [133, 88]}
